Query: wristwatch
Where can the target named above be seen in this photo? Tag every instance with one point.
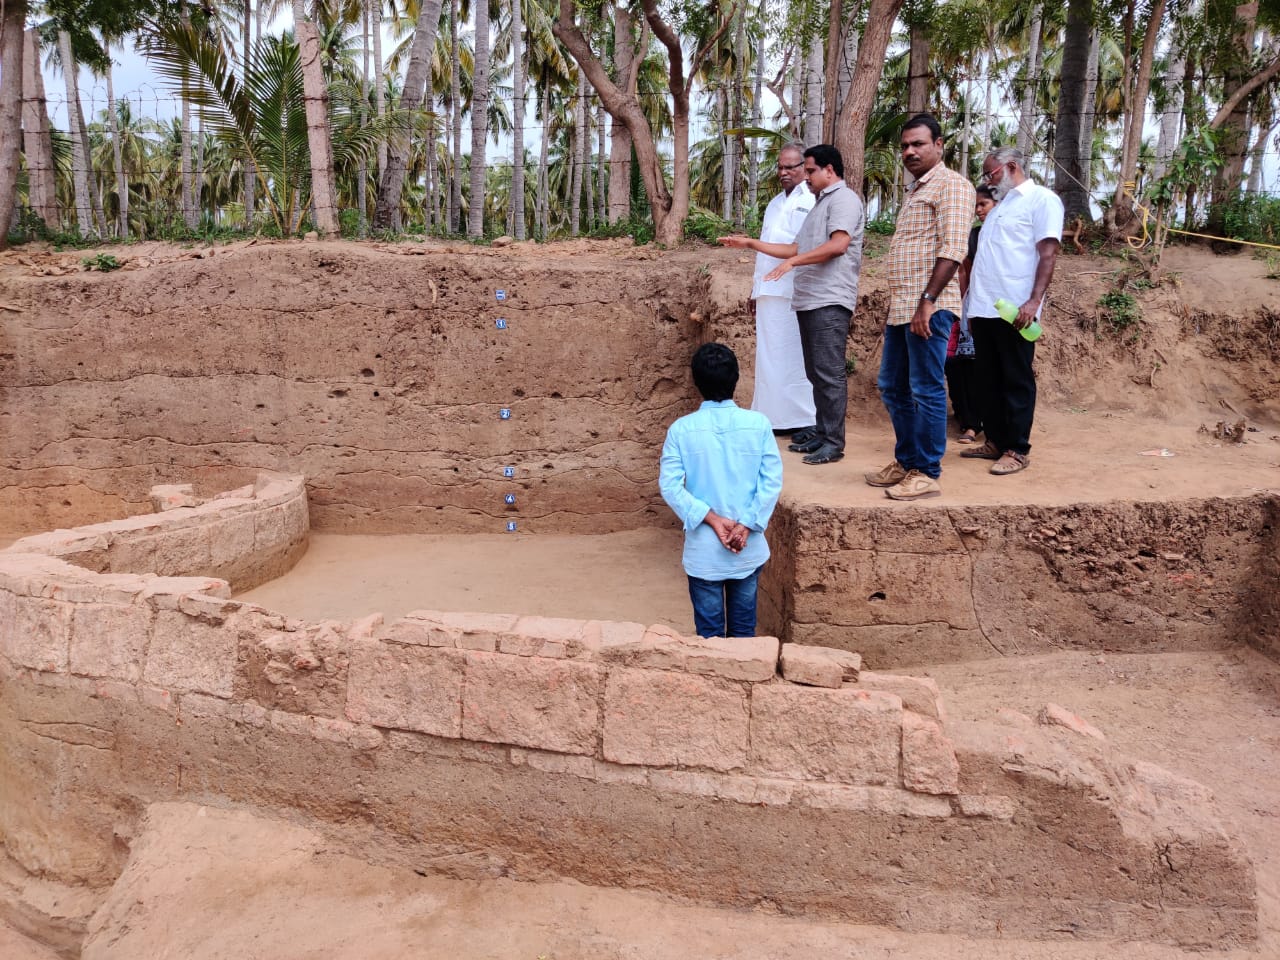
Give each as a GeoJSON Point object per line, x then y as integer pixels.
{"type": "Point", "coordinates": [928, 296]}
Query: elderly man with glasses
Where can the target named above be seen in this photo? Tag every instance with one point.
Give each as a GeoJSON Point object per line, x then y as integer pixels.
{"type": "Point", "coordinates": [1017, 251]}
{"type": "Point", "coordinates": [782, 391]}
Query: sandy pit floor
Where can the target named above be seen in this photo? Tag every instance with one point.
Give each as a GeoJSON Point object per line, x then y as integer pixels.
{"type": "Point", "coordinates": [635, 575]}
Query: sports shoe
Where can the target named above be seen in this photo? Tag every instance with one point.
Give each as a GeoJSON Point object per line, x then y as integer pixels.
{"type": "Point", "coordinates": [914, 486]}
{"type": "Point", "coordinates": [892, 474]}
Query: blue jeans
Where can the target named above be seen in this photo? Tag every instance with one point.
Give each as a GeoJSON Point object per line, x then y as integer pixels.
{"type": "Point", "coordinates": [913, 386]}
{"type": "Point", "coordinates": [714, 599]}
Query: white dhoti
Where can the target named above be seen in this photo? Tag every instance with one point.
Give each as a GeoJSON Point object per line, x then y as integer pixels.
{"type": "Point", "coordinates": [783, 392]}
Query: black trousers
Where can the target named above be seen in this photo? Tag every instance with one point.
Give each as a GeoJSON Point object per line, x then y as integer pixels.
{"type": "Point", "coordinates": [1006, 383]}
{"type": "Point", "coordinates": [824, 335]}
{"type": "Point", "coordinates": [962, 385]}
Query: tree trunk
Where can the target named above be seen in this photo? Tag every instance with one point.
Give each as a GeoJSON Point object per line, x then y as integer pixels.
{"type": "Point", "coordinates": [324, 197]}
{"type": "Point", "coordinates": [1257, 155]}
{"type": "Point", "coordinates": [669, 206]}
{"type": "Point", "coordinates": [1088, 113]}
{"type": "Point", "coordinates": [1068, 178]}
{"type": "Point", "coordinates": [417, 75]}
{"type": "Point", "coordinates": [918, 70]}
{"type": "Point", "coordinates": [1233, 118]}
{"type": "Point", "coordinates": [362, 168]}
{"type": "Point", "coordinates": [37, 142]}
{"type": "Point", "coordinates": [626, 69]}
{"type": "Point", "coordinates": [517, 119]}
{"type": "Point", "coordinates": [584, 164]}
{"type": "Point", "coordinates": [250, 174]}
{"type": "Point", "coordinates": [197, 180]}
{"type": "Point", "coordinates": [1026, 112]}
{"type": "Point", "coordinates": [1120, 216]}
{"type": "Point", "coordinates": [12, 24]}
{"type": "Point", "coordinates": [544, 202]}
{"type": "Point", "coordinates": [479, 119]}
{"type": "Point", "coordinates": [851, 130]}
{"type": "Point", "coordinates": [189, 218]}
{"type": "Point", "coordinates": [1167, 142]}
{"type": "Point", "coordinates": [813, 92]}
{"type": "Point", "coordinates": [79, 155]}
{"type": "Point", "coordinates": [575, 164]}
{"type": "Point", "coordinates": [122, 179]}
{"type": "Point", "coordinates": [753, 151]}
{"type": "Point", "coordinates": [602, 186]}
{"type": "Point", "coordinates": [379, 94]}
{"type": "Point", "coordinates": [455, 89]}
{"type": "Point", "coordinates": [726, 150]}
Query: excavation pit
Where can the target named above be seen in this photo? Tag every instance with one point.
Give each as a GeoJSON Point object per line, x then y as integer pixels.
{"type": "Point", "coordinates": [564, 743]}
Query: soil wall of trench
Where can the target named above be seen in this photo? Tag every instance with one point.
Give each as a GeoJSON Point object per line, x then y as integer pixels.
{"type": "Point", "coordinates": [382, 375]}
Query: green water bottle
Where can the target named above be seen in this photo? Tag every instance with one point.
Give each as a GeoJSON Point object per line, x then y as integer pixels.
{"type": "Point", "coordinates": [1009, 311]}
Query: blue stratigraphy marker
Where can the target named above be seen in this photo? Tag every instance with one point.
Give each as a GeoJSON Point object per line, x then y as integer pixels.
{"type": "Point", "coordinates": [500, 323]}
{"type": "Point", "coordinates": [501, 295]}
{"type": "Point", "coordinates": [511, 526]}
{"type": "Point", "coordinates": [508, 472]}
{"type": "Point", "coordinates": [504, 413]}
{"type": "Point", "coordinates": [509, 499]}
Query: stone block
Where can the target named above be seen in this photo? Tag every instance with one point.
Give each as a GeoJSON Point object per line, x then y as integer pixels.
{"type": "Point", "coordinates": [875, 800]}
{"type": "Point", "coordinates": [918, 694]}
{"type": "Point", "coordinates": [660, 718]}
{"type": "Point", "coordinates": [35, 633]}
{"type": "Point", "coordinates": [406, 688]}
{"type": "Point", "coordinates": [460, 630]}
{"type": "Point", "coordinates": [188, 654]}
{"type": "Point", "coordinates": [929, 763]}
{"type": "Point", "coordinates": [818, 666]}
{"type": "Point", "coordinates": [993, 807]}
{"type": "Point", "coordinates": [575, 765]}
{"type": "Point", "coordinates": [171, 496]}
{"type": "Point", "coordinates": [183, 553]}
{"type": "Point", "coordinates": [269, 529]}
{"type": "Point", "coordinates": [754, 659]}
{"type": "Point", "coordinates": [806, 733]}
{"type": "Point", "coordinates": [231, 541]}
{"type": "Point", "coordinates": [554, 637]}
{"type": "Point", "coordinates": [110, 640]}
{"type": "Point", "coordinates": [1052, 715]}
{"type": "Point", "coordinates": [166, 593]}
{"type": "Point", "coordinates": [531, 702]}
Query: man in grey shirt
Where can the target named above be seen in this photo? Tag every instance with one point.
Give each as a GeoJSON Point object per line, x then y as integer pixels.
{"type": "Point", "coordinates": [826, 257]}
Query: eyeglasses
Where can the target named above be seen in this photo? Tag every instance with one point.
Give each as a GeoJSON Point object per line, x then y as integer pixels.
{"type": "Point", "coordinates": [987, 175]}
{"type": "Point", "coordinates": [790, 166]}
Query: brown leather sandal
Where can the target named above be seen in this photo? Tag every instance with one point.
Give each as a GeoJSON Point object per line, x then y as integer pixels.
{"type": "Point", "coordinates": [1010, 462]}
{"type": "Point", "coordinates": [988, 451]}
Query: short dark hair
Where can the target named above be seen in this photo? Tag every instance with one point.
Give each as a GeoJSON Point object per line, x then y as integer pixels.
{"type": "Point", "coordinates": [985, 191]}
{"type": "Point", "coordinates": [825, 155]}
{"type": "Point", "coordinates": [715, 371]}
{"type": "Point", "coordinates": [924, 120]}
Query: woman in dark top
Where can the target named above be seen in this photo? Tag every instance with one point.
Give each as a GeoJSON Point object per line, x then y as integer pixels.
{"type": "Point", "coordinates": [959, 365]}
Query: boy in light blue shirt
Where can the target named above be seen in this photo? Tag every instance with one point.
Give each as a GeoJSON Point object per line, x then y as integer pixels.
{"type": "Point", "coordinates": [721, 473]}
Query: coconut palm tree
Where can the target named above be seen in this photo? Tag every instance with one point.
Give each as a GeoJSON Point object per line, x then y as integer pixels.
{"type": "Point", "coordinates": [264, 119]}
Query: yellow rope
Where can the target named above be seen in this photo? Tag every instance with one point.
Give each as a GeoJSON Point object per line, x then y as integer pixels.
{"type": "Point", "coordinates": [1137, 243]}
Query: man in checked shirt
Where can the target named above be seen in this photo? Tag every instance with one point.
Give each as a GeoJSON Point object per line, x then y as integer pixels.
{"type": "Point", "coordinates": [929, 242]}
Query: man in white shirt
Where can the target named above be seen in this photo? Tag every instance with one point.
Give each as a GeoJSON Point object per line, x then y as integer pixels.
{"type": "Point", "coordinates": [782, 391]}
{"type": "Point", "coordinates": [1017, 250]}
